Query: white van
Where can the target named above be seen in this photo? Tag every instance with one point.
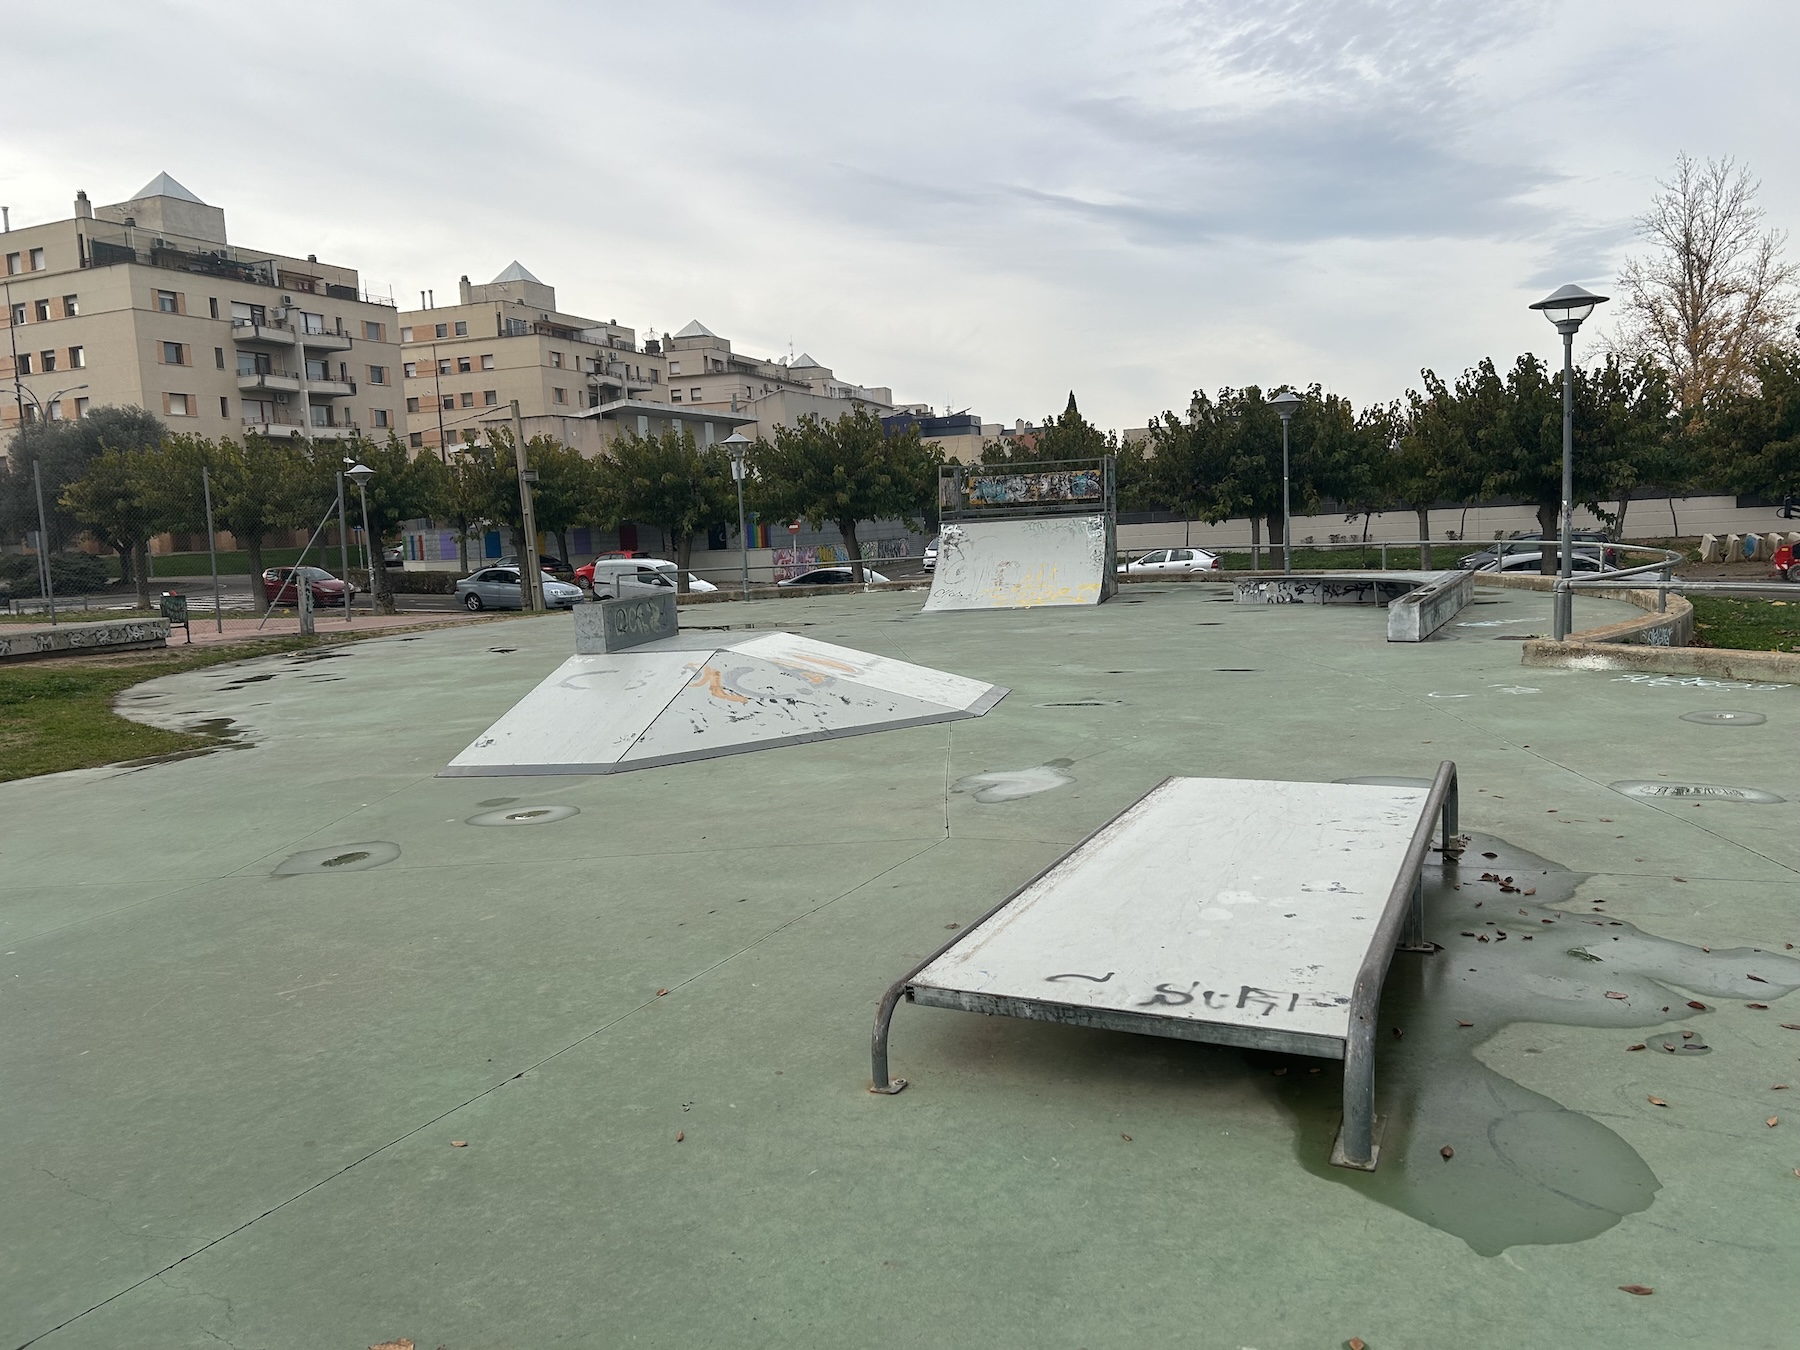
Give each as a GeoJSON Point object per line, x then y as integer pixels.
{"type": "Point", "coordinates": [616, 576]}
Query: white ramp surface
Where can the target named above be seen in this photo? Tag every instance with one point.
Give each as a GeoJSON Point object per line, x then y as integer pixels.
{"type": "Point", "coordinates": [1232, 903]}
{"type": "Point", "coordinates": [1019, 564]}
{"type": "Point", "coordinates": [671, 701]}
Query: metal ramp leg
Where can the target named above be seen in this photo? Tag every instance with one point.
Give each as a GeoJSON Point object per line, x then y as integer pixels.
{"type": "Point", "coordinates": [879, 1081]}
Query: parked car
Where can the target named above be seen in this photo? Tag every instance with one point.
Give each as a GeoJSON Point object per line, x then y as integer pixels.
{"type": "Point", "coordinates": [610, 576]}
{"type": "Point", "coordinates": [556, 567]}
{"type": "Point", "coordinates": [394, 555]}
{"type": "Point", "coordinates": [279, 587]}
{"type": "Point", "coordinates": [499, 588]}
{"type": "Point", "coordinates": [1161, 561]}
{"type": "Point", "coordinates": [1521, 556]}
{"type": "Point", "coordinates": [831, 576]}
{"type": "Point", "coordinates": [584, 575]}
{"type": "Point", "coordinates": [931, 552]}
{"type": "Point", "coordinates": [1785, 566]}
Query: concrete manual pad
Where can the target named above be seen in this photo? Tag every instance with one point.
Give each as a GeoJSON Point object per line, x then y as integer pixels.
{"type": "Point", "coordinates": [668, 702]}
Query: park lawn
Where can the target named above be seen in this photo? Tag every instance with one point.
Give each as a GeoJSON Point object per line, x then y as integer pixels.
{"type": "Point", "coordinates": [1747, 625]}
{"type": "Point", "coordinates": [56, 714]}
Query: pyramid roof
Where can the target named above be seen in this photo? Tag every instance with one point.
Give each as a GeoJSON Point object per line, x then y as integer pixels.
{"type": "Point", "coordinates": [803, 360]}
{"type": "Point", "coordinates": [515, 271]}
{"type": "Point", "coordinates": [696, 329]}
{"type": "Point", "coordinates": [164, 186]}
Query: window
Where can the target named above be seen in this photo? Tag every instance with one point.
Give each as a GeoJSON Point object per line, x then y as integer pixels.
{"type": "Point", "coordinates": [449, 402]}
{"type": "Point", "coordinates": [18, 313]}
{"type": "Point", "coordinates": [219, 357]}
{"type": "Point", "coordinates": [212, 305]}
{"type": "Point", "coordinates": [378, 417]}
{"type": "Point", "coordinates": [321, 414]}
{"type": "Point", "coordinates": [42, 310]}
{"type": "Point", "coordinates": [416, 439]}
{"type": "Point", "coordinates": [37, 260]}
{"type": "Point", "coordinates": [318, 370]}
{"type": "Point", "coordinates": [556, 361]}
{"type": "Point", "coordinates": [312, 323]}
{"type": "Point", "coordinates": [411, 370]}
{"type": "Point", "coordinates": [444, 367]}
{"type": "Point", "coordinates": [462, 328]}
{"type": "Point", "coordinates": [178, 405]}
{"type": "Point", "coordinates": [406, 333]}
{"type": "Point", "coordinates": [77, 358]}
{"type": "Point", "coordinates": [655, 375]}
{"type": "Point", "coordinates": [247, 314]}
{"type": "Point", "coordinates": [81, 407]}
{"type": "Point", "coordinates": [168, 302]}
{"type": "Point", "coordinates": [12, 265]}
{"type": "Point", "coordinates": [674, 395]}
{"type": "Point", "coordinates": [487, 362]}
{"type": "Point", "coordinates": [24, 363]}
{"type": "Point", "coordinates": [255, 363]}
{"type": "Point", "coordinates": [171, 354]}
{"type": "Point", "coordinates": [374, 332]}
{"type": "Point", "coordinates": [71, 306]}
{"type": "Point", "coordinates": [442, 330]}
{"type": "Point", "coordinates": [559, 395]}
{"type": "Point", "coordinates": [693, 396]}
{"type": "Point", "coordinates": [489, 398]}
{"type": "Point", "coordinates": [224, 406]}
{"type": "Point", "coordinates": [468, 399]}
{"type": "Point", "coordinates": [674, 367]}
{"type": "Point", "coordinates": [55, 411]}
{"type": "Point", "coordinates": [463, 365]}
{"type": "Point", "coordinates": [377, 374]}
{"type": "Point", "coordinates": [49, 360]}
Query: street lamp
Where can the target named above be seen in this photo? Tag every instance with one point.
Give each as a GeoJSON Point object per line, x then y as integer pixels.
{"type": "Point", "coordinates": [360, 474]}
{"type": "Point", "coordinates": [1286, 404]}
{"type": "Point", "coordinates": [737, 445]}
{"type": "Point", "coordinates": [1566, 307]}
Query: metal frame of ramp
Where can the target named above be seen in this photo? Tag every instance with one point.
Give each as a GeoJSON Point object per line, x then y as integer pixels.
{"type": "Point", "coordinates": [1019, 538]}
{"type": "Point", "coordinates": [1239, 912]}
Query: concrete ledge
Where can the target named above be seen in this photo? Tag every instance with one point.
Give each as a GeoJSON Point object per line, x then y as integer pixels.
{"type": "Point", "coordinates": [1419, 613]}
{"type": "Point", "coordinates": [1673, 627]}
{"type": "Point", "coordinates": [74, 639]}
{"type": "Point", "coordinates": [1418, 603]}
{"type": "Point", "coordinates": [1723, 663]}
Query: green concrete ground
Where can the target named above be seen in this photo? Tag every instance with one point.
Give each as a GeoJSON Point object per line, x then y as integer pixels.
{"type": "Point", "coordinates": [231, 1096]}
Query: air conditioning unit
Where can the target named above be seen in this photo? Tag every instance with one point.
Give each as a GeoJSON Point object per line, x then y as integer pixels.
{"type": "Point", "coordinates": [281, 398]}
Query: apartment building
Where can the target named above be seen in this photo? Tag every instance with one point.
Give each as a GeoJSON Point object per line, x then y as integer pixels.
{"type": "Point", "coordinates": [704, 372]}
{"type": "Point", "coordinates": [146, 303]}
{"type": "Point", "coordinates": [464, 364]}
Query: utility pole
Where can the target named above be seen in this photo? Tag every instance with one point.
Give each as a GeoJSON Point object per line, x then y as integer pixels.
{"type": "Point", "coordinates": [531, 576]}
{"type": "Point", "coordinates": [437, 397]}
{"type": "Point", "coordinates": [344, 546]}
{"type": "Point", "coordinates": [37, 481]}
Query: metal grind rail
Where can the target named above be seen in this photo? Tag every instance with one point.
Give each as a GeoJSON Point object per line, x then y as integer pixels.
{"type": "Point", "coordinates": [1290, 898]}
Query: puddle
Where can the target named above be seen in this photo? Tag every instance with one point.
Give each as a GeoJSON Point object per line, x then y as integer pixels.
{"type": "Point", "coordinates": [1699, 792]}
{"type": "Point", "coordinates": [525, 815]}
{"type": "Point", "coordinates": [342, 858]}
{"type": "Point", "coordinates": [241, 681]}
{"type": "Point", "coordinates": [1725, 719]}
{"type": "Point", "coordinates": [1006, 785]}
{"type": "Point", "coordinates": [1527, 1170]}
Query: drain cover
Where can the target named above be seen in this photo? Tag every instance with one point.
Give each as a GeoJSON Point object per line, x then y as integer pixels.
{"type": "Point", "coordinates": [1726, 719]}
{"type": "Point", "coordinates": [525, 815]}
{"type": "Point", "coordinates": [342, 858]}
{"type": "Point", "coordinates": [1697, 792]}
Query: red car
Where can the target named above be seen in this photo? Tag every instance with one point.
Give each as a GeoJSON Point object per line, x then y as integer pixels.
{"type": "Point", "coordinates": [327, 590]}
{"type": "Point", "coordinates": [584, 575]}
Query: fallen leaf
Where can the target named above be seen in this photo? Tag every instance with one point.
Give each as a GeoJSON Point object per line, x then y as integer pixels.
{"type": "Point", "coordinates": [1682, 880]}
{"type": "Point", "coordinates": [1772, 1121]}
{"type": "Point", "coordinates": [1695, 1003]}
{"type": "Point", "coordinates": [1638, 1289]}
{"type": "Point", "coordinates": [1126, 1138]}
{"type": "Point", "coordinates": [1357, 1343]}
{"type": "Point", "coordinates": [1763, 1006]}
{"type": "Point", "coordinates": [1759, 979]}
{"type": "Point", "coordinates": [1779, 1087]}
{"type": "Point", "coordinates": [1550, 811]}
{"type": "Point", "coordinates": [1279, 1072]}
{"type": "Point", "coordinates": [402, 1344]}
{"type": "Point", "coordinates": [1446, 1153]}
{"type": "Point", "coordinates": [1604, 820]}
{"type": "Point", "coordinates": [459, 1143]}
{"type": "Point", "coordinates": [1529, 890]}
{"type": "Point", "coordinates": [1482, 938]}
{"type": "Point", "coordinates": [1611, 994]}
{"type": "Point", "coordinates": [1687, 1035]}
{"type": "Point", "coordinates": [1398, 1033]}
{"type": "Point", "coordinates": [1468, 934]}
{"type": "Point", "coordinates": [953, 925]}
{"type": "Point", "coordinates": [680, 1135]}
{"type": "Point", "coordinates": [1462, 1023]}
{"type": "Point", "coordinates": [1668, 1047]}
{"type": "Point", "coordinates": [1635, 1047]}
{"type": "Point", "coordinates": [1790, 1026]}
{"type": "Point", "coordinates": [661, 992]}
{"type": "Point", "coordinates": [1490, 855]}
{"type": "Point", "coordinates": [1656, 1101]}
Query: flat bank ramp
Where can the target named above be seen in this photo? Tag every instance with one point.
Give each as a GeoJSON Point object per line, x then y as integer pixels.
{"type": "Point", "coordinates": [1241, 912]}
{"type": "Point", "coordinates": [1021, 564]}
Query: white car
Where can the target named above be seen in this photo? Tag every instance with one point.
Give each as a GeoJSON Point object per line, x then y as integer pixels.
{"type": "Point", "coordinates": [616, 576]}
{"type": "Point", "coordinates": [1162, 561]}
{"type": "Point", "coordinates": [931, 552]}
{"type": "Point", "coordinates": [833, 576]}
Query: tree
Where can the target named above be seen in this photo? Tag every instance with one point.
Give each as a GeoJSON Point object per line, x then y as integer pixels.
{"type": "Point", "coordinates": [104, 490]}
{"type": "Point", "coordinates": [1757, 434]}
{"type": "Point", "coordinates": [1714, 290]}
{"type": "Point", "coordinates": [1426, 463]}
{"type": "Point", "coordinates": [403, 488]}
{"type": "Point", "coordinates": [565, 492]}
{"type": "Point", "coordinates": [668, 481]}
{"type": "Point", "coordinates": [1068, 437]}
{"type": "Point", "coordinates": [846, 471]}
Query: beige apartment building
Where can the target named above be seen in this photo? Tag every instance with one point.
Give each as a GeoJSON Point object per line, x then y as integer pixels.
{"type": "Point", "coordinates": [704, 372]}
{"type": "Point", "coordinates": [146, 303]}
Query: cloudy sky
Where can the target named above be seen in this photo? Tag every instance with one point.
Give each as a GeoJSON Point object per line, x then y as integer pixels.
{"type": "Point", "coordinates": [982, 205]}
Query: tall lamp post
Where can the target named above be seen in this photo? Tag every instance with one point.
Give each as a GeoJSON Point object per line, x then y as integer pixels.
{"type": "Point", "coordinates": [737, 445]}
{"type": "Point", "coordinates": [1286, 404]}
{"type": "Point", "coordinates": [1566, 307]}
{"type": "Point", "coordinates": [360, 474]}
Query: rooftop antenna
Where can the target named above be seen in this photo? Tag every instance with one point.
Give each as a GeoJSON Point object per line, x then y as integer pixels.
{"type": "Point", "coordinates": [6, 216]}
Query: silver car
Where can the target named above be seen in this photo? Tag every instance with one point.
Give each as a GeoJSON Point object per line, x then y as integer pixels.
{"type": "Point", "coordinates": [498, 588]}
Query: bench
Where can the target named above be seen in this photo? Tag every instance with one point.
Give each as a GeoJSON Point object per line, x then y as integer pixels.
{"type": "Point", "coordinates": [1239, 912]}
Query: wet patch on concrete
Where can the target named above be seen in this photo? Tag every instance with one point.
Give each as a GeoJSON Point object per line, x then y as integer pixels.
{"type": "Point", "coordinates": [1525, 1169]}
{"type": "Point", "coordinates": [1006, 785]}
{"type": "Point", "coordinates": [1725, 719]}
{"type": "Point", "coordinates": [525, 815]}
{"type": "Point", "coordinates": [342, 858]}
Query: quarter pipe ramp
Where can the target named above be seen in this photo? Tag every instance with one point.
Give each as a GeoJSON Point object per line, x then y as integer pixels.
{"type": "Point", "coordinates": [1022, 563]}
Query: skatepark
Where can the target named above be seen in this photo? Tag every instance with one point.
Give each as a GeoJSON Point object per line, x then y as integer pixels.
{"type": "Point", "coordinates": [311, 1045]}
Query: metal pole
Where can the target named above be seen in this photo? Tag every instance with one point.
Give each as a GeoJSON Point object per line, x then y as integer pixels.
{"type": "Point", "coordinates": [368, 558]}
{"type": "Point", "coordinates": [37, 481]}
{"type": "Point", "coordinates": [1565, 598]}
{"type": "Point", "coordinates": [531, 578]}
{"type": "Point", "coordinates": [212, 550]}
{"type": "Point", "coordinates": [737, 472]}
{"type": "Point", "coordinates": [1287, 520]}
{"type": "Point", "coordinates": [343, 545]}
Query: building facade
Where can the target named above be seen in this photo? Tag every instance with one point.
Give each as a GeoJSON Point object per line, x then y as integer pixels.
{"type": "Point", "coordinates": [704, 372]}
{"type": "Point", "coordinates": [146, 303]}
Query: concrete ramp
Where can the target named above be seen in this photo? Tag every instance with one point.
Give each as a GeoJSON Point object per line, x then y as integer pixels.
{"type": "Point", "coordinates": [1024, 563]}
{"type": "Point", "coordinates": [692, 697]}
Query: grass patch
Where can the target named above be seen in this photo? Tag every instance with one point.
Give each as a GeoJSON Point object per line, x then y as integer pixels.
{"type": "Point", "coordinates": [1747, 625]}
{"type": "Point", "coordinates": [56, 714]}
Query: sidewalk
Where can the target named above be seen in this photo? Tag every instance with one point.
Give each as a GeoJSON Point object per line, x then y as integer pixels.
{"type": "Point", "coordinates": [287, 624]}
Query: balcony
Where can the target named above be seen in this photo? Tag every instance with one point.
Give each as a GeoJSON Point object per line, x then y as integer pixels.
{"type": "Point", "coordinates": [247, 332]}
{"type": "Point", "coordinates": [326, 342]}
{"type": "Point", "coordinates": [272, 381]}
{"type": "Point", "coordinates": [285, 429]}
{"type": "Point", "coordinates": [331, 388]}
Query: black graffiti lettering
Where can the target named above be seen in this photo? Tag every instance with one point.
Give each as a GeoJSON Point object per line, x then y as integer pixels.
{"type": "Point", "coordinates": [1224, 999]}
{"type": "Point", "coordinates": [1250, 992]}
{"type": "Point", "coordinates": [1169, 996]}
{"type": "Point", "coordinates": [1077, 975]}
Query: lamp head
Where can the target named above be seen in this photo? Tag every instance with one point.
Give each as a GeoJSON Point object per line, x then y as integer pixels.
{"type": "Point", "coordinates": [1567, 306]}
{"type": "Point", "coordinates": [1286, 403]}
{"type": "Point", "coordinates": [359, 474]}
{"type": "Point", "coordinates": [737, 445]}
